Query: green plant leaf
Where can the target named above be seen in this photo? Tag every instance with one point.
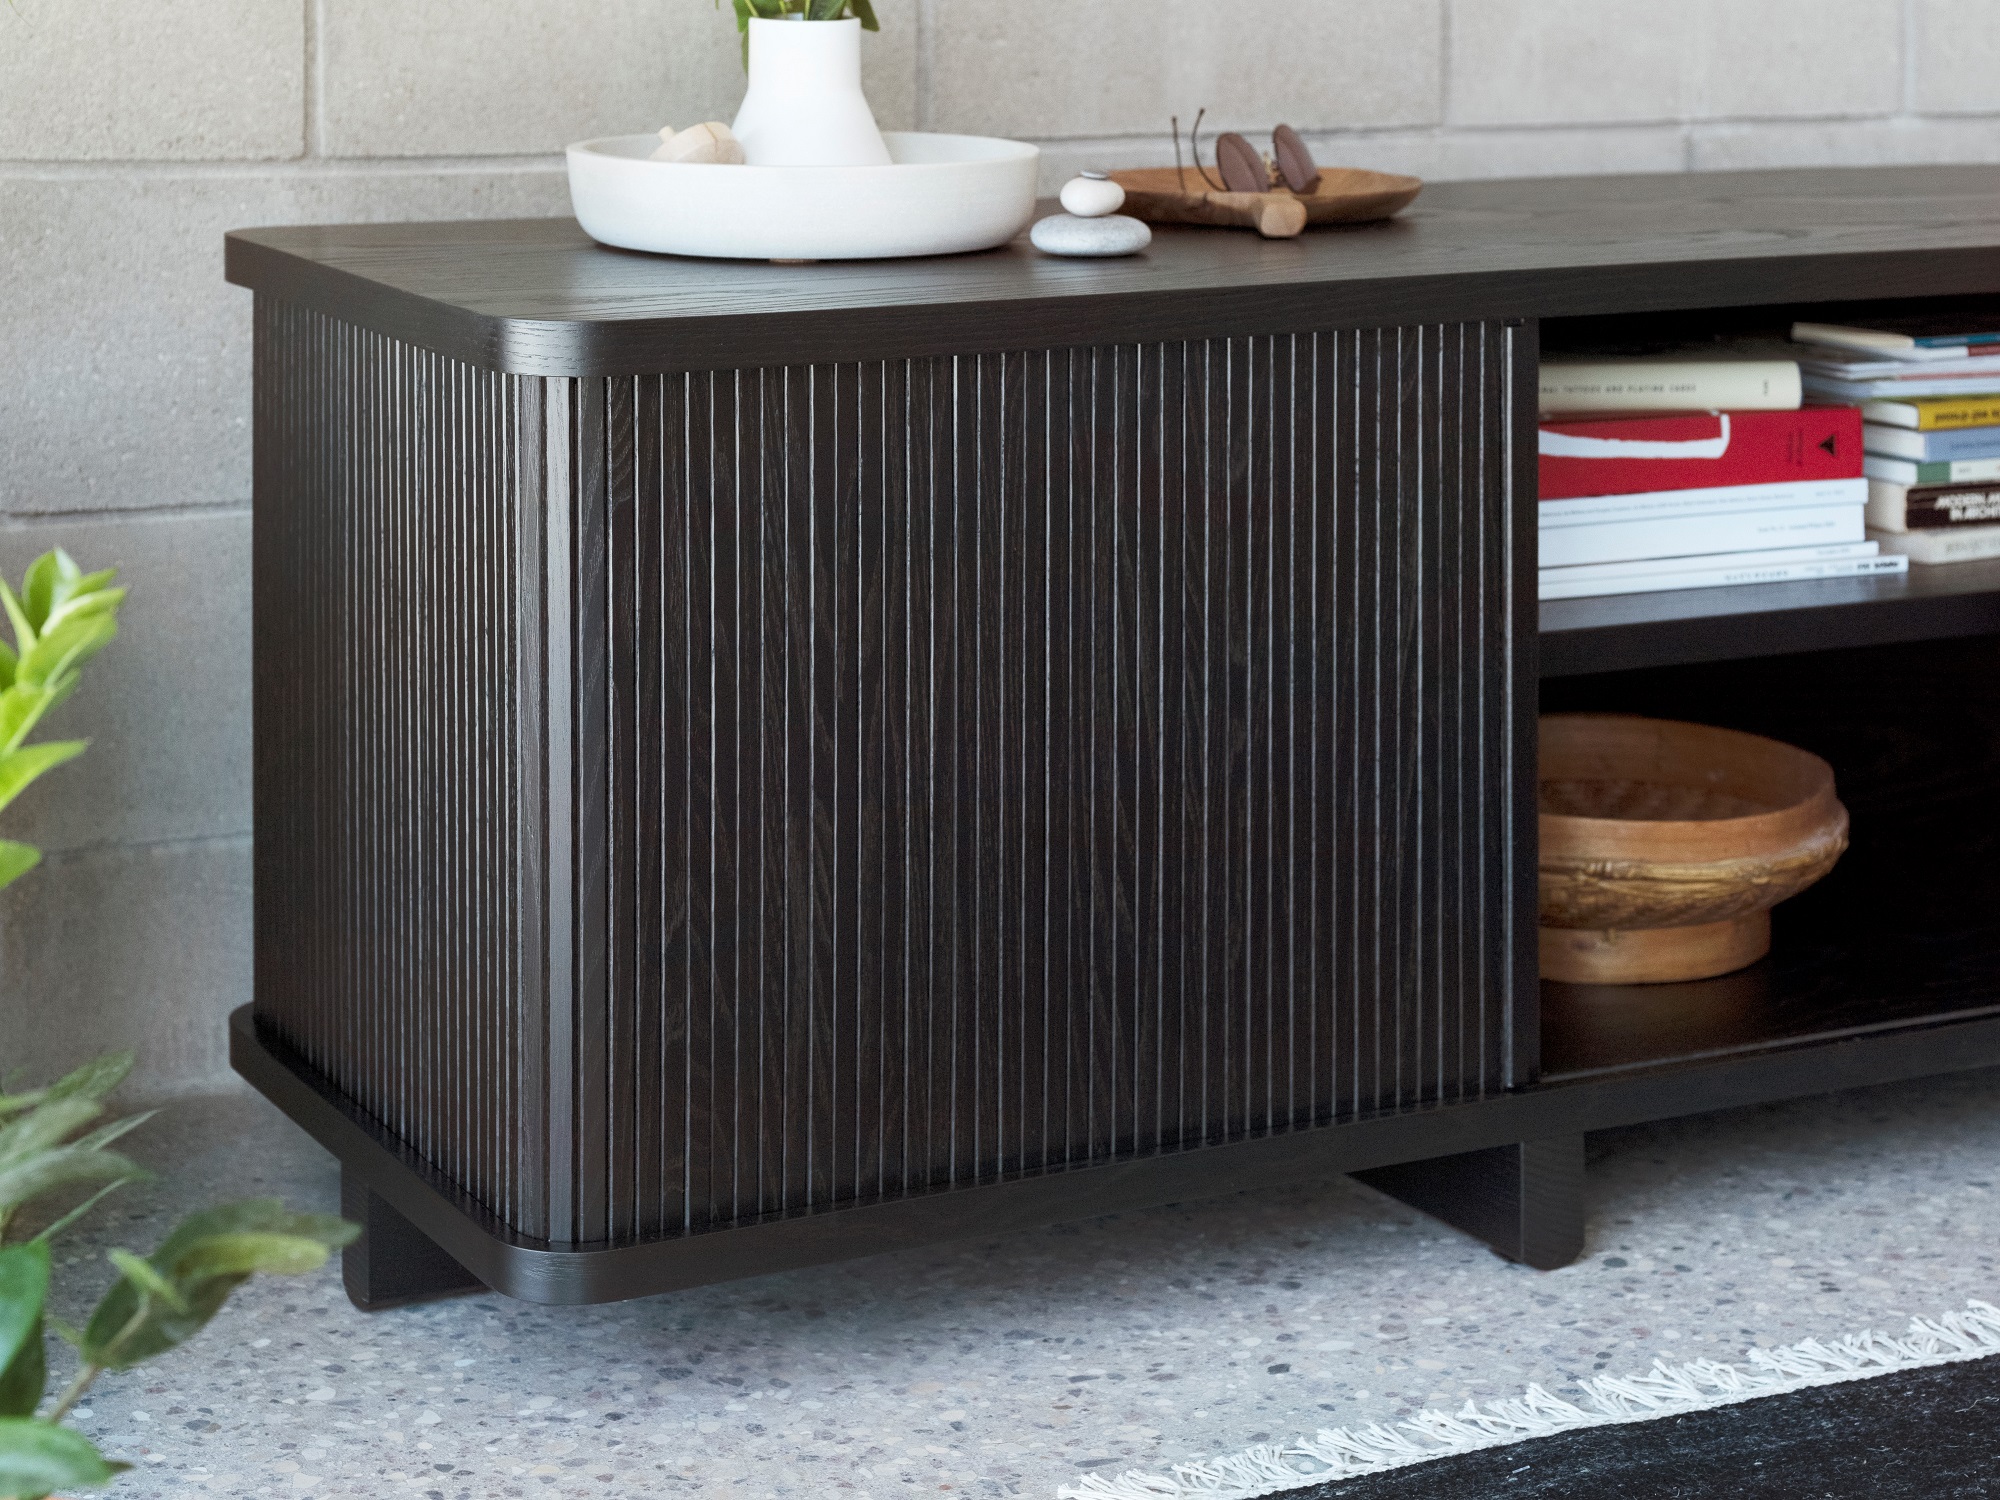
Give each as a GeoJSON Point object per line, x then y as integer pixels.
{"type": "Point", "coordinates": [91, 583]}
{"type": "Point", "coordinates": [24, 1366]}
{"type": "Point", "coordinates": [16, 859]}
{"type": "Point", "coordinates": [61, 618]}
{"type": "Point", "coordinates": [206, 1258]}
{"type": "Point", "coordinates": [76, 584]}
{"type": "Point", "coordinates": [47, 1124]}
{"type": "Point", "coordinates": [242, 1254]}
{"type": "Point", "coordinates": [45, 575]}
{"type": "Point", "coordinates": [100, 605]}
{"type": "Point", "coordinates": [59, 690]}
{"type": "Point", "coordinates": [26, 1376]}
{"type": "Point", "coordinates": [67, 645]}
{"type": "Point", "coordinates": [22, 705]}
{"type": "Point", "coordinates": [33, 1157]}
{"type": "Point", "coordinates": [150, 1282]}
{"type": "Point", "coordinates": [95, 1078]}
{"type": "Point", "coordinates": [39, 1458]}
{"type": "Point", "coordinates": [24, 1287]}
{"type": "Point", "coordinates": [864, 11]}
{"type": "Point", "coordinates": [104, 1135]}
{"type": "Point", "coordinates": [28, 1179]}
{"type": "Point", "coordinates": [251, 1216]}
{"type": "Point", "coordinates": [24, 631]}
{"type": "Point", "coordinates": [18, 768]}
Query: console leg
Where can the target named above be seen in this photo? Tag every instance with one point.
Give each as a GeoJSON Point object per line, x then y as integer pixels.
{"type": "Point", "coordinates": [1525, 1201]}
{"type": "Point", "coordinates": [393, 1262]}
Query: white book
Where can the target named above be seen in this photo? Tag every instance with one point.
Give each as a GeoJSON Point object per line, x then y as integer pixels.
{"type": "Point", "coordinates": [1702, 535]}
{"type": "Point", "coordinates": [1671, 384]}
{"type": "Point", "coordinates": [1720, 499]}
{"type": "Point", "coordinates": [1852, 392]}
{"type": "Point", "coordinates": [1837, 552]}
{"type": "Point", "coordinates": [1875, 341]}
{"type": "Point", "coordinates": [1907, 471]}
{"type": "Point", "coordinates": [1944, 544]}
{"type": "Point", "coordinates": [1947, 445]}
{"type": "Point", "coordinates": [1728, 576]}
{"type": "Point", "coordinates": [1843, 364]}
{"type": "Point", "coordinates": [1904, 410]}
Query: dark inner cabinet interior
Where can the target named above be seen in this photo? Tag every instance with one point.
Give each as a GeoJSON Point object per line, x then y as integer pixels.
{"type": "Point", "coordinates": [1907, 926]}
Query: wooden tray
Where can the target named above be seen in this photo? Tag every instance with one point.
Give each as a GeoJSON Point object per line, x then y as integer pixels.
{"type": "Point", "coordinates": [1345, 195]}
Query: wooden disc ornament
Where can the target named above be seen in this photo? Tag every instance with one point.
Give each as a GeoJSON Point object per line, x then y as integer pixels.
{"type": "Point", "coordinates": [1242, 169]}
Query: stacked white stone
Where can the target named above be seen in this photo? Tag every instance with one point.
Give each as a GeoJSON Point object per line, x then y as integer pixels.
{"type": "Point", "coordinates": [1092, 225]}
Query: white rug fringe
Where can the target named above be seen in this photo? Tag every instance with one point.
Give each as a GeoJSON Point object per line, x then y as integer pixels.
{"type": "Point", "coordinates": [1348, 1452]}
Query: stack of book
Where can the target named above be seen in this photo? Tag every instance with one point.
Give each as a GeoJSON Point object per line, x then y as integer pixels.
{"type": "Point", "coordinates": [1929, 394]}
{"type": "Point", "coordinates": [1678, 474]}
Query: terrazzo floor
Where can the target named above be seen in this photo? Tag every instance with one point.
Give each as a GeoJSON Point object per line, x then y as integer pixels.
{"type": "Point", "coordinates": [1007, 1367]}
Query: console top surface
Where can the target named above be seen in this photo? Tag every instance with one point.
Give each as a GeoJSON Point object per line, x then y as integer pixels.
{"type": "Point", "coordinates": [538, 297]}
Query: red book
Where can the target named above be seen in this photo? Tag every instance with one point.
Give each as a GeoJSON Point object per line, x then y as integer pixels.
{"type": "Point", "coordinates": [1626, 455]}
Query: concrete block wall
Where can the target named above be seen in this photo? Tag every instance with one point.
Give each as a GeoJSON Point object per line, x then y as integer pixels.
{"type": "Point", "coordinates": [132, 135]}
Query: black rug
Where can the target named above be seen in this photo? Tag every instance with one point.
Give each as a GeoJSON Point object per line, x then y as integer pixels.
{"type": "Point", "coordinates": [1927, 1434]}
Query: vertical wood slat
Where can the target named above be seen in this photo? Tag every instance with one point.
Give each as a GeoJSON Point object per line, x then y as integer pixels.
{"type": "Point", "coordinates": [853, 780]}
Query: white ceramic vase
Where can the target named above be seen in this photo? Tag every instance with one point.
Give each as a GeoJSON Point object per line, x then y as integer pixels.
{"type": "Point", "coordinates": [805, 107]}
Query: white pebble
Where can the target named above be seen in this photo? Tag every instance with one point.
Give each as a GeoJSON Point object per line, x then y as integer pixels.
{"type": "Point", "coordinates": [1114, 234]}
{"type": "Point", "coordinates": [1092, 197]}
{"type": "Point", "coordinates": [710, 142]}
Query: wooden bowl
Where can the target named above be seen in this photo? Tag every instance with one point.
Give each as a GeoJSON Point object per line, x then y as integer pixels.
{"type": "Point", "coordinates": [1345, 195]}
{"type": "Point", "coordinates": [1664, 845]}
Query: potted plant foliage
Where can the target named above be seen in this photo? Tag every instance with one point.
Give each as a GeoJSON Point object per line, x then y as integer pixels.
{"type": "Point", "coordinates": [51, 1143]}
{"type": "Point", "coordinates": [61, 618]}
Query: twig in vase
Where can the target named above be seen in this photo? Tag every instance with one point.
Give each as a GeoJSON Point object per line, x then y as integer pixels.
{"type": "Point", "coordinates": [1194, 148]}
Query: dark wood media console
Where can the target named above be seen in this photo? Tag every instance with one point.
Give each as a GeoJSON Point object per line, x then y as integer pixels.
{"type": "Point", "coordinates": [757, 765]}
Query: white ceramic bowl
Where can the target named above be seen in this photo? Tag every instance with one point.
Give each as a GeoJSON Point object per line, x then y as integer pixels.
{"type": "Point", "coordinates": [942, 195]}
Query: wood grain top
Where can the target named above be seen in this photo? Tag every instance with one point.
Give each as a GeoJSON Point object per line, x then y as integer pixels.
{"type": "Point", "coordinates": [538, 297]}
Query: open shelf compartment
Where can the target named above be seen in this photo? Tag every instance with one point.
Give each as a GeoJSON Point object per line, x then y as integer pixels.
{"type": "Point", "coordinates": [1631, 631]}
{"type": "Point", "coordinates": [1906, 929]}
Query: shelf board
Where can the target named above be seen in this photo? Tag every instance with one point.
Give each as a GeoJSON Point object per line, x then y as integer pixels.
{"type": "Point", "coordinates": [1628, 631]}
{"type": "Point", "coordinates": [1594, 1030]}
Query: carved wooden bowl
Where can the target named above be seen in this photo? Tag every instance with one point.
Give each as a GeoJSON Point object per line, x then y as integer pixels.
{"type": "Point", "coordinates": [1665, 845]}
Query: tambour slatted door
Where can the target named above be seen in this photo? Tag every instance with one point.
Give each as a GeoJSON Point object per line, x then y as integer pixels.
{"type": "Point", "coordinates": [839, 783]}
{"type": "Point", "coordinates": [1040, 758]}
